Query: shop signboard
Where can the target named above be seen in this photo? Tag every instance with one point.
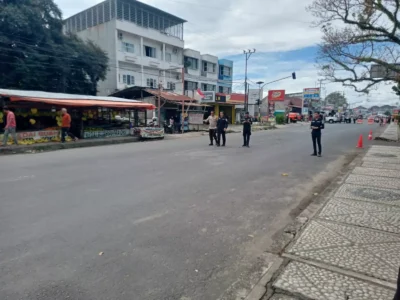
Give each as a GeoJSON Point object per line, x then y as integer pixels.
{"type": "Point", "coordinates": [196, 118]}
{"type": "Point", "coordinates": [276, 95]}
{"type": "Point", "coordinates": [208, 97]}
{"type": "Point", "coordinates": [39, 136]}
{"type": "Point", "coordinates": [312, 94]}
{"type": "Point", "coordinates": [149, 132]}
{"type": "Point", "coordinates": [89, 134]}
{"type": "Point", "coordinates": [220, 99]}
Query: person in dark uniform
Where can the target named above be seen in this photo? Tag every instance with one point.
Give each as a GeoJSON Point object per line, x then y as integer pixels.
{"type": "Point", "coordinates": [316, 126]}
{"type": "Point", "coordinates": [246, 130]}
{"type": "Point", "coordinates": [222, 126]}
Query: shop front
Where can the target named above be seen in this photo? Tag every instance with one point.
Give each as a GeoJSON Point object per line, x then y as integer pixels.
{"type": "Point", "coordinates": [219, 102]}
{"type": "Point", "coordinates": [39, 118]}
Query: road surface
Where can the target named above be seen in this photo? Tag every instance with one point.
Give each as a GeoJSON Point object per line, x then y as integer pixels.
{"type": "Point", "coordinates": [172, 219]}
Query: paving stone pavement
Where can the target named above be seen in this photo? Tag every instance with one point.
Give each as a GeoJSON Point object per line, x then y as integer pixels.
{"type": "Point", "coordinates": [390, 133]}
{"type": "Point", "coordinates": [351, 249]}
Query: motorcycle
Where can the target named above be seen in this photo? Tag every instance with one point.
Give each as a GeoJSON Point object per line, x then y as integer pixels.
{"type": "Point", "coordinates": [168, 128]}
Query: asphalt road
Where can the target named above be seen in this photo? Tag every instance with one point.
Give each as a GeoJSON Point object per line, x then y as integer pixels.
{"type": "Point", "coordinates": [173, 219]}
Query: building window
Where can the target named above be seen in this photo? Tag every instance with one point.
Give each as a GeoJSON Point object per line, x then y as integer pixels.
{"type": "Point", "coordinates": [168, 57]}
{"type": "Point", "coordinates": [207, 87]}
{"type": "Point", "coordinates": [150, 51]}
{"type": "Point", "coordinates": [220, 89]}
{"type": "Point", "coordinates": [190, 85]}
{"type": "Point", "coordinates": [214, 66]}
{"type": "Point", "coordinates": [204, 66]}
{"type": "Point", "coordinates": [170, 86]}
{"type": "Point", "coordinates": [128, 47]}
{"type": "Point", "coordinates": [128, 79]}
{"type": "Point", "coordinates": [225, 71]}
{"type": "Point", "coordinates": [191, 63]}
{"type": "Point", "coordinates": [151, 83]}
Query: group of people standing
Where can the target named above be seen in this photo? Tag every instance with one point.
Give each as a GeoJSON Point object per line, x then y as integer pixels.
{"type": "Point", "coordinates": [218, 126]}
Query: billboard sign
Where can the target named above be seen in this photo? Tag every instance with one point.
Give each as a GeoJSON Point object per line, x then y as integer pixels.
{"type": "Point", "coordinates": [276, 95]}
{"type": "Point", "coordinates": [312, 94]}
{"type": "Point", "coordinates": [208, 97]}
{"type": "Point", "coordinates": [379, 71]}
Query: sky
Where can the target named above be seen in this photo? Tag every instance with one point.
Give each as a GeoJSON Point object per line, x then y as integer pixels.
{"type": "Point", "coordinates": [281, 33]}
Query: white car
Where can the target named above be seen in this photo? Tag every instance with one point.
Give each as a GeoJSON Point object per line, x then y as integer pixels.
{"type": "Point", "coordinates": [331, 120]}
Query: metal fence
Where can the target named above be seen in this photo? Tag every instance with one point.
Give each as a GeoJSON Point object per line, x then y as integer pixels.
{"type": "Point", "coordinates": [135, 12]}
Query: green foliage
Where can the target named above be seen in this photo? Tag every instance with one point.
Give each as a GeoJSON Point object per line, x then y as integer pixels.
{"type": "Point", "coordinates": [36, 55]}
{"type": "Point", "coordinates": [280, 119]}
{"type": "Point", "coordinates": [336, 98]}
{"type": "Point", "coordinates": [396, 89]}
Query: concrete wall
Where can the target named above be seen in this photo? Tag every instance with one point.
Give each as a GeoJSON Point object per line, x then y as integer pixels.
{"type": "Point", "coordinates": [105, 36]}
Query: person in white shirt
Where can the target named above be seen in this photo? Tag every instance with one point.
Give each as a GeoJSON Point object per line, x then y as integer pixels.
{"type": "Point", "coordinates": [212, 128]}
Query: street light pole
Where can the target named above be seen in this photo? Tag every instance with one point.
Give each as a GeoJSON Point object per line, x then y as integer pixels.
{"type": "Point", "coordinates": [247, 53]}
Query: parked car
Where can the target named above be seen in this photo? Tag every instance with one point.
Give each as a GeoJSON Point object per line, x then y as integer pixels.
{"type": "Point", "coordinates": [331, 119]}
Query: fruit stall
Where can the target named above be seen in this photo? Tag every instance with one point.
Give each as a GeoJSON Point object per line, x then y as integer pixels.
{"type": "Point", "coordinates": [39, 119]}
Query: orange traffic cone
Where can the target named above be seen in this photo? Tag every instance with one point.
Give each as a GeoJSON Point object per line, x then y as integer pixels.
{"type": "Point", "coordinates": [360, 142]}
{"type": "Point", "coordinates": [370, 135]}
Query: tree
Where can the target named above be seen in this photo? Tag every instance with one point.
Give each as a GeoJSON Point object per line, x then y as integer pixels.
{"type": "Point", "coordinates": [36, 55]}
{"type": "Point", "coordinates": [396, 89]}
{"type": "Point", "coordinates": [336, 98]}
{"type": "Point", "coordinates": [357, 34]}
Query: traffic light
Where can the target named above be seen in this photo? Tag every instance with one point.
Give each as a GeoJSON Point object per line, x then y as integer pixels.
{"type": "Point", "coordinates": [294, 75]}
{"type": "Point", "coordinates": [258, 102]}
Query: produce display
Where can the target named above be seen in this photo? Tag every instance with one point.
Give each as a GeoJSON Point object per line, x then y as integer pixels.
{"type": "Point", "coordinates": [36, 119]}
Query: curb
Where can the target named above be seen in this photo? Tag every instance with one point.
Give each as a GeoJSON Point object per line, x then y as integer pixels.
{"type": "Point", "coordinates": [58, 146]}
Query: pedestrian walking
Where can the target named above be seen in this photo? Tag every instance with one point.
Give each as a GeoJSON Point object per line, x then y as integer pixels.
{"type": "Point", "coordinates": [212, 128]}
{"type": "Point", "coordinates": [222, 126]}
{"type": "Point", "coordinates": [66, 125]}
{"type": "Point", "coordinates": [11, 126]}
{"type": "Point", "coordinates": [247, 130]}
{"type": "Point", "coordinates": [316, 126]}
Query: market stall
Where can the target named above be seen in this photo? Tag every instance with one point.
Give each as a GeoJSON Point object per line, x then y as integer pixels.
{"type": "Point", "coordinates": [39, 119]}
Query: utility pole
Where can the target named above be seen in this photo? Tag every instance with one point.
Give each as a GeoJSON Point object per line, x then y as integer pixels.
{"type": "Point", "coordinates": [247, 53]}
{"type": "Point", "coordinates": [183, 101]}
{"type": "Point", "coordinates": [259, 98]}
{"type": "Point", "coordinates": [159, 101]}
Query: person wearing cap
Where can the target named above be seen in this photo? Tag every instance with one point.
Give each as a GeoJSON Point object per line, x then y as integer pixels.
{"type": "Point", "coordinates": [222, 126]}
{"type": "Point", "coordinates": [246, 130]}
{"type": "Point", "coordinates": [316, 126]}
{"type": "Point", "coordinates": [212, 128]}
{"type": "Point", "coordinates": [11, 126]}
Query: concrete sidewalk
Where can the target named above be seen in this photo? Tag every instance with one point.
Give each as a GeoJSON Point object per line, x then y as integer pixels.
{"type": "Point", "coordinates": [351, 248]}
{"type": "Point", "coordinates": [390, 134]}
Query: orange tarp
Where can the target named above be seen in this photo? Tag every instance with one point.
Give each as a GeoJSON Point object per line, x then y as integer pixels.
{"type": "Point", "coordinates": [85, 103]}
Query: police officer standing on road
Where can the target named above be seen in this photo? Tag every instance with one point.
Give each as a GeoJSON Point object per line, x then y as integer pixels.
{"type": "Point", "coordinates": [316, 126]}
{"type": "Point", "coordinates": [222, 126]}
{"type": "Point", "coordinates": [246, 130]}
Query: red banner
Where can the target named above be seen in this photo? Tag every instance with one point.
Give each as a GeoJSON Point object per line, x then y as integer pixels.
{"type": "Point", "coordinates": [276, 95]}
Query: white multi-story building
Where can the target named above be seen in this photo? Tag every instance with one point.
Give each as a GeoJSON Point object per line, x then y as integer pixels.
{"type": "Point", "coordinates": [207, 73]}
{"type": "Point", "coordinates": [201, 71]}
{"type": "Point", "coordinates": [144, 44]}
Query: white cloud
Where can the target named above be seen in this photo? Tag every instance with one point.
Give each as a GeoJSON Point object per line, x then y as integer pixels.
{"type": "Point", "coordinates": [307, 77]}
{"type": "Point", "coordinates": [229, 26]}
{"type": "Point", "coordinates": [226, 27]}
